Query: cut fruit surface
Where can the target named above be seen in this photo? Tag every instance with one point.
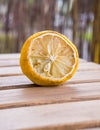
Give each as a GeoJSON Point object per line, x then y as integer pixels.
{"type": "Point", "coordinates": [48, 58]}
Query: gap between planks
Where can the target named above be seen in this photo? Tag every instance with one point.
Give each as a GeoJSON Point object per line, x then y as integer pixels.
{"type": "Point", "coordinates": [63, 116]}
{"type": "Point", "coordinates": [49, 95]}
{"type": "Point", "coordinates": [93, 128]}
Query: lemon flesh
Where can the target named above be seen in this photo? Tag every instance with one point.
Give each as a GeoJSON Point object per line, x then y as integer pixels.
{"type": "Point", "coordinates": [51, 56]}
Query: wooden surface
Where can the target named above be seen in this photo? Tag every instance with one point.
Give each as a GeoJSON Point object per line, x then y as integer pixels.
{"type": "Point", "coordinates": [70, 106]}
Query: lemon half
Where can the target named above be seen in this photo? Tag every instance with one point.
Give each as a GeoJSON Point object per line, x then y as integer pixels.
{"type": "Point", "coordinates": [48, 58]}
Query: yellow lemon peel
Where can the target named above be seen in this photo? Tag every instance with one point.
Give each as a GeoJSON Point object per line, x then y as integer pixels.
{"type": "Point", "coordinates": [48, 58]}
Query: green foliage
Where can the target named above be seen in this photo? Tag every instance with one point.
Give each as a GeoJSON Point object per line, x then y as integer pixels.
{"type": "Point", "coordinates": [1, 25]}
{"type": "Point", "coordinates": [88, 36]}
{"type": "Point", "coordinates": [2, 38]}
{"type": "Point", "coordinates": [30, 2]}
{"type": "Point", "coordinates": [11, 42]}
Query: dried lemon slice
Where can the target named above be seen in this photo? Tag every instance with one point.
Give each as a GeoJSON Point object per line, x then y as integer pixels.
{"type": "Point", "coordinates": [48, 58]}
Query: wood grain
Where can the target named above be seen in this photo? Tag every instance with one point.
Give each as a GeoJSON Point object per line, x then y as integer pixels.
{"type": "Point", "coordinates": [10, 71]}
{"type": "Point", "coordinates": [96, 128]}
{"type": "Point", "coordinates": [35, 95]}
{"type": "Point", "coordinates": [62, 116]}
{"type": "Point", "coordinates": [70, 106]}
{"type": "Point", "coordinates": [9, 63]}
{"type": "Point", "coordinates": [14, 82]}
{"type": "Point", "coordinates": [9, 56]}
{"type": "Point", "coordinates": [88, 66]}
{"type": "Point", "coordinates": [85, 77]}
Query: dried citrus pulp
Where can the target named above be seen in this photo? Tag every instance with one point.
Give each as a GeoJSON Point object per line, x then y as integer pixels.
{"type": "Point", "coordinates": [48, 58]}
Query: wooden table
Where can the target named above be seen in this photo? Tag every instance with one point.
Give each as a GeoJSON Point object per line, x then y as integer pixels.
{"type": "Point", "coordinates": [73, 105]}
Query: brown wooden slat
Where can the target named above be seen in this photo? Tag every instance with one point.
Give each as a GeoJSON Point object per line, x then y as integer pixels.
{"type": "Point", "coordinates": [48, 95]}
{"type": "Point", "coordinates": [82, 60]}
{"type": "Point", "coordinates": [98, 128]}
{"type": "Point", "coordinates": [13, 82]}
{"type": "Point", "coordinates": [79, 77]}
{"type": "Point", "coordinates": [9, 56]}
{"type": "Point", "coordinates": [85, 85]}
{"type": "Point", "coordinates": [56, 116]}
{"type": "Point", "coordinates": [85, 77]}
{"type": "Point", "coordinates": [6, 63]}
{"type": "Point", "coordinates": [16, 70]}
{"type": "Point", "coordinates": [9, 71]}
{"type": "Point", "coordinates": [88, 66]}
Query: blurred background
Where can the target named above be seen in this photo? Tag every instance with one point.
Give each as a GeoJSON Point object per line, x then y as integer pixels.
{"type": "Point", "coordinates": [79, 20]}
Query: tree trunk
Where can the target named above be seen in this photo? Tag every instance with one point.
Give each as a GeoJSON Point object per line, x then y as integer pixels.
{"type": "Point", "coordinates": [20, 19]}
{"type": "Point", "coordinates": [75, 19]}
{"type": "Point", "coordinates": [95, 47]}
{"type": "Point", "coordinates": [9, 4]}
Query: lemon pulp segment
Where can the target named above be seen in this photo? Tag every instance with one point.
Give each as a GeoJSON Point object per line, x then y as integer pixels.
{"type": "Point", "coordinates": [51, 56]}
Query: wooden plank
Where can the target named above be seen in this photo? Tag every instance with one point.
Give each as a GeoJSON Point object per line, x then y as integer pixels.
{"type": "Point", "coordinates": [85, 77]}
{"type": "Point", "coordinates": [10, 63]}
{"type": "Point", "coordinates": [62, 116]}
{"type": "Point", "coordinates": [79, 77]}
{"type": "Point", "coordinates": [82, 60]}
{"type": "Point", "coordinates": [96, 128]}
{"type": "Point", "coordinates": [9, 56]}
{"type": "Point", "coordinates": [49, 95]}
{"type": "Point", "coordinates": [16, 70]}
{"type": "Point", "coordinates": [9, 71]}
{"type": "Point", "coordinates": [88, 66]}
{"type": "Point", "coordinates": [13, 82]}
